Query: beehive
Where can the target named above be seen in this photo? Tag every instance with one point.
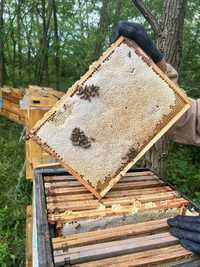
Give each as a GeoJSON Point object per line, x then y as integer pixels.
{"type": "Point", "coordinates": [126, 228]}
{"type": "Point", "coordinates": [36, 102]}
{"type": "Point", "coordinates": [10, 104]}
{"type": "Point", "coordinates": [26, 107]}
{"type": "Point", "coordinates": [111, 117]}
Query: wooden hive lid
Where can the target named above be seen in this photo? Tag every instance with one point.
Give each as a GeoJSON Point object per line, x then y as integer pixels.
{"type": "Point", "coordinates": [42, 97]}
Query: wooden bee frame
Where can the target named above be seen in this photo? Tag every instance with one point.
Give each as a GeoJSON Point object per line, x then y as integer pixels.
{"type": "Point", "coordinates": [181, 105]}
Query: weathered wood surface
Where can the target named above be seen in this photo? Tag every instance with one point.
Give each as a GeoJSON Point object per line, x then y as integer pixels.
{"type": "Point", "coordinates": [126, 210]}
{"type": "Point", "coordinates": [94, 204]}
{"type": "Point", "coordinates": [142, 244]}
{"type": "Point", "coordinates": [43, 97]}
{"type": "Point", "coordinates": [53, 198]}
{"type": "Point", "coordinates": [39, 101]}
{"type": "Point", "coordinates": [146, 243]}
{"type": "Point", "coordinates": [29, 236]}
{"type": "Point", "coordinates": [10, 104]}
{"type": "Point", "coordinates": [153, 257]}
{"type": "Point", "coordinates": [36, 97]}
{"type": "Point", "coordinates": [43, 236]}
{"type": "Point", "coordinates": [104, 235]}
{"type": "Point", "coordinates": [114, 248]}
{"type": "Point", "coordinates": [68, 200]}
{"type": "Point", "coordinates": [35, 155]}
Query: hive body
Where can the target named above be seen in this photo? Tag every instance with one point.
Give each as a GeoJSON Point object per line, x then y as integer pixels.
{"type": "Point", "coordinates": [128, 227]}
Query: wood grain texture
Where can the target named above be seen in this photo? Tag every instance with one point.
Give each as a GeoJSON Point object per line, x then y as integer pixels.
{"type": "Point", "coordinates": [153, 257]}
{"type": "Point", "coordinates": [115, 248]}
{"type": "Point", "coordinates": [10, 104]}
{"type": "Point", "coordinates": [147, 243]}
{"type": "Point", "coordinates": [110, 234]}
{"type": "Point", "coordinates": [67, 200]}
{"type": "Point", "coordinates": [39, 101]}
{"type": "Point", "coordinates": [54, 198]}
{"type": "Point", "coordinates": [29, 236]}
{"type": "Point", "coordinates": [94, 204]}
{"type": "Point", "coordinates": [43, 237]}
{"type": "Point", "coordinates": [70, 216]}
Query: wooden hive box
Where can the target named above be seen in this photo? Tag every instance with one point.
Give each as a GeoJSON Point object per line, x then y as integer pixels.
{"type": "Point", "coordinates": [111, 117]}
{"type": "Point", "coordinates": [37, 101]}
{"type": "Point", "coordinates": [26, 107]}
{"type": "Point", "coordinates": [127, 228]}
{"type": "Point", "coordinates": [28, 236]}
{"type": "Point", "coordinates": [10, 104]}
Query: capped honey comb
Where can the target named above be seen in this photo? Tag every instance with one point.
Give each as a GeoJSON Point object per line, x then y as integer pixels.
{"type": "Point", "coordinates": [111, 117]}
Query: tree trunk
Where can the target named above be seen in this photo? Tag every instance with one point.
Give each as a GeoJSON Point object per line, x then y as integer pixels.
{"type": "Point", "coordinates": [118, 12]}
{"type": "Point", "coordinates": [13, 59]}
{"type": "Point", "coordinates": [44, 58]}
{"type": "Point", "coordinates": [19, 38]}
{"type": "Point", "coordinates": [56, 45]}
{"type": "Point", "coordinates": [170, 43]}
{"type": "Point", "coordinates": [29, 30]}
{"type": "Point", "coordinates": [44, 67]}
{"type": "Point", "coordinates": [1, 43]}
{"type": "Point", "coordinates": [103, 25]}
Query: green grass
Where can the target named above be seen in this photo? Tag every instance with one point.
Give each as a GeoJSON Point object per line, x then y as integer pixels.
{"type": "Point", "coordinates": [15, 195]}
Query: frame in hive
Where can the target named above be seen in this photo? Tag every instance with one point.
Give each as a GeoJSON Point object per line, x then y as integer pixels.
{"type": "Point", "coordinates": [111, 117]}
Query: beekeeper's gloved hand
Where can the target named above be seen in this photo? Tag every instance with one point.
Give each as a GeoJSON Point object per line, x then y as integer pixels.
{"type": "Point", "coordinates": [137, 33]}
{"type": "Point", "coordinates": [187, 230]}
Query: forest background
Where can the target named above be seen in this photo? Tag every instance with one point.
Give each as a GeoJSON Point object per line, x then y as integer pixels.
{"type": "Point", "coordinates": [52, 43]}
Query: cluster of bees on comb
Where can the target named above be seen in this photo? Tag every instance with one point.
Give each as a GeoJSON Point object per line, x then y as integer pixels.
{"type": "Point", "coordinates": [79, 138]}
{"type": "Point", "coordinates": [131, 154]}
{"type": "Point", "coordinates": [88, 92]}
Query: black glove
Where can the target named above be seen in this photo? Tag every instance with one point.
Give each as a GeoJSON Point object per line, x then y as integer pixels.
{"type": "Point", "coordinates": [137, 33]}
{"type": "Point", "coordinates": [187, 230]}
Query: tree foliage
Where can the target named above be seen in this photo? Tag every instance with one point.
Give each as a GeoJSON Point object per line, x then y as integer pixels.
{"type": "Point", "coordinates": [38, 34]}
{"type": "Point", "coordinates": [52, 42]}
